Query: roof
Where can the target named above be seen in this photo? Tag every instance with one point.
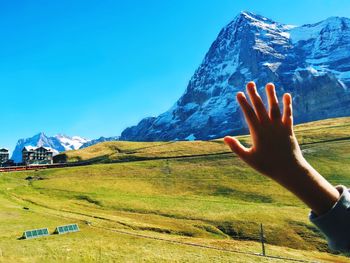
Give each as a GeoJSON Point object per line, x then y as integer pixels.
{"type": "Point", "coordinates": [34, 148]}
{"type": "Point", "coordinates": [4, 150]}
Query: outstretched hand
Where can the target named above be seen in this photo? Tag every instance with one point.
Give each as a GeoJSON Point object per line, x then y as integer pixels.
{"type": "Point", "coordinates": [275, 151]}
{"type": "Point", "coordinates": [275, 147]}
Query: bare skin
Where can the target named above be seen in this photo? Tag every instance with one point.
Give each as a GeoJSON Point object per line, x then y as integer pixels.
{"type": "Point", "coordinates": [275, 151]}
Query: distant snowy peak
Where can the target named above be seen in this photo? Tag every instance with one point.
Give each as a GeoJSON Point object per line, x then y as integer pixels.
{"type": "Point", "coordinates": [71, 143]}
{"type": "Point", "coordinates": [58, 143]}
{"type": "Point", "coordinates": [37, 140]}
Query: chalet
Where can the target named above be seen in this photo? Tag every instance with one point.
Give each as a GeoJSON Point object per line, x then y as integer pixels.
{"type": "Point", "coordinates": [4, 155]}
{"type": "Point", "coordinates": [37, 155]}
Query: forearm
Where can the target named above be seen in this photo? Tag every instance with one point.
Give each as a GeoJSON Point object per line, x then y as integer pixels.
{"type": "Point", "coordinates": [311, 187]}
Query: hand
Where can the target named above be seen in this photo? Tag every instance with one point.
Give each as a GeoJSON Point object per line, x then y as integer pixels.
{"type": "Point", "coordinates": [275, 151]}
{"type": "Point", "coordinates": [275, 148]}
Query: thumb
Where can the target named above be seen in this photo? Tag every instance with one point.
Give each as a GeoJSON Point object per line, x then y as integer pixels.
{"type": "Point", "coordinates": [237, 147]}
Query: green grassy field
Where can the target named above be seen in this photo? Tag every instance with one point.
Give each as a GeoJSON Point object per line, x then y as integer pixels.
{"type": "Point", "coordinates": [145, 202]}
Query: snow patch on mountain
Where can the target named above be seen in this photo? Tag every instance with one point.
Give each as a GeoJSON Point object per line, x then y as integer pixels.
{"type": "Point", "coordinates": [190, 137]}
{"type": "Point", "coordinates": [272, 66]}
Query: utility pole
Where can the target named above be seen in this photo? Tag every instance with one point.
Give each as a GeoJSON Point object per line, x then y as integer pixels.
{"type": "Point", "coordinates": [262, 238]}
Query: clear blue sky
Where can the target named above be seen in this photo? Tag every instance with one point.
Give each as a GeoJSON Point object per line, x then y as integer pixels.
{"type": "Point", "coordinates": [94, 67]}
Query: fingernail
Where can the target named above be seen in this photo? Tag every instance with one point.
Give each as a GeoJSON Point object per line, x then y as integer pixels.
{"type": "Point", "coordinates": [270, 84]}
{"type": "Point", "coordinates": [226, 140]}
{"type": "Point", "coordinates": [288, 97]}
{"type": "Point", "coordinates": [251, 86]}
{"type": "Point", "coordinates": [240, 94]}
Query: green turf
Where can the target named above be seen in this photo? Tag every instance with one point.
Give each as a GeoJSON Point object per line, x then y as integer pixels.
{"type": "Point", "coordinates": [193, 192]}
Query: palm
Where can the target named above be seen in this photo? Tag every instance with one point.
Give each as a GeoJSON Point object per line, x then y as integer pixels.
{"type": "Point", "coordinates": [270, 132]}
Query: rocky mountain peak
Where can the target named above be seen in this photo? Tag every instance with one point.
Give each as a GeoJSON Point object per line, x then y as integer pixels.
{"type": "Point", "coordinates": [310, 61]}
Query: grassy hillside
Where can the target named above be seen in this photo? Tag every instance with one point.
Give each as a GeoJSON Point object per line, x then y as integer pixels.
{"type": "Point", "coordinates": [313, 132]}
{"type": "Point", "coordinates": [129, 151]}
{"type": "Point", "coordinates": [204, 196]}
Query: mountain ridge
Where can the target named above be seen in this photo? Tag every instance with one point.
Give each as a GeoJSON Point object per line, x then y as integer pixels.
{"type": "Point", "coordinates": [58, 143]}
{"type": "Point", "coordinates": [309, 61]}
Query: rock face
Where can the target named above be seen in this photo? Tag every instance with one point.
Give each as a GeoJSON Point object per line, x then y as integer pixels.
{"type": "Point", "coordinates": [58, 143]}
{"type": "Point", "coordinates": [311, 61]}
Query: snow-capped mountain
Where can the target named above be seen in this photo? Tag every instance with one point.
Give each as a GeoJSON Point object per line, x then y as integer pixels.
{"type": "Point", "coordinates": [99, 140]}
{"type": "Point", "coordinates": [58, 143]}
{"type": "Point", "coordinates": [310, 61]}
{"type": "Point", "coordinates": [71, 143]}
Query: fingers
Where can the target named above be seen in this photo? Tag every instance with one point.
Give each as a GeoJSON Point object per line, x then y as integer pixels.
{"type": "Point", "coordinates": [237, 148]}
{"type": "Point", "coordinates": [248, 112]}
{"type": "Point", "coordinates": [287, 118]}
{"type": "Point", "coordinates": [257, 102]}
{"type": "Point", "coordinates": [274, 110]}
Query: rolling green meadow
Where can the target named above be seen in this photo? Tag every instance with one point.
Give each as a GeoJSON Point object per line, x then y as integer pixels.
{"type": "Point", "coordinates": [168, 202]}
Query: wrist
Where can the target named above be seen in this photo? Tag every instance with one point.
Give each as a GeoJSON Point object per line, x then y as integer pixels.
{"type": "Point", "coordinates": [311, 187]}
